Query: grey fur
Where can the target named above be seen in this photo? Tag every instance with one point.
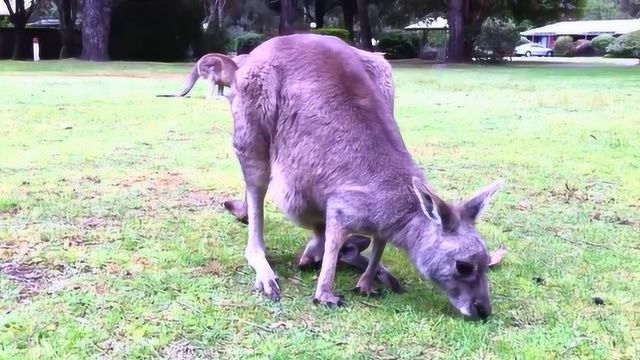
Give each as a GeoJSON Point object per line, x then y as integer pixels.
{"type": "Point", "coordinates": [318, 133]}
{"type": "Point", "coordinates": [217, 69]}
{"type": "Point", "coordinates": [380, 72]}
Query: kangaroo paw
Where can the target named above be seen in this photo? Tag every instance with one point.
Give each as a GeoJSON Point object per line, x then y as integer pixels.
{"type": "Point", "coordinates": [330, 300]}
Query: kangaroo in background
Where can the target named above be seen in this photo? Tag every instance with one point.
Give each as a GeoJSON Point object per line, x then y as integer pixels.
{"type": "Point", "coordinates": [310, 124]}
{"type": "Point", "coordinates": [216, 69]}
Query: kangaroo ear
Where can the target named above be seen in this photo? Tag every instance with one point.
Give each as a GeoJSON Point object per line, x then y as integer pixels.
{"type": "Point", "coordinates": [216, 67]}
{"type": "Point", "coordinates": [428, 200]}
{"type": "Point", "coordinates": [476, 204]}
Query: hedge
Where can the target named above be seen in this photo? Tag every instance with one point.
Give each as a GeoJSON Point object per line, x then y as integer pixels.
{"type": "Point", "coordinates": [337, 32]}
{"type": "Point", "coordinates": [564, 46]}
{"type": "Point", "coordinates": [627, 45]}
{"type": "Point", "coordinates": [399, 44]}
{"type": "Point", "coordinates": [600, 43]}
{"type": "Point", "coordinates": [248, 41]}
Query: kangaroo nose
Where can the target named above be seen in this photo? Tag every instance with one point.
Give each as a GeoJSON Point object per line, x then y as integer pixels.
{"type": "Point", "coordinates": [482, 310]}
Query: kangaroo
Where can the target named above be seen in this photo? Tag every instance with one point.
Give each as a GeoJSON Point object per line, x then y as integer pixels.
{"type": "Point", "coordinates": [380, 72]}
{"type": "Point", "coordinates": [216, 69]}
{"type": "Point", "coordinates": [315, 130]}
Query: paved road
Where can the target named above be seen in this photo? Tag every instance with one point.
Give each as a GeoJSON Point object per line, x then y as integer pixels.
{"type": "Point", "coordinates": [538, 61]}
{"type": "Point", "coordinates": [593, 61]}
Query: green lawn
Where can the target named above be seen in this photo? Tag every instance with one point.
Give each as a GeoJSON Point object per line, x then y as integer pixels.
{"type": "Point", "coordinates": [113, 242]}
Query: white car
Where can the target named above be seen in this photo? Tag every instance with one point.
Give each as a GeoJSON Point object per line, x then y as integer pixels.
{"type": "Point", "coordinates": [532, 49]}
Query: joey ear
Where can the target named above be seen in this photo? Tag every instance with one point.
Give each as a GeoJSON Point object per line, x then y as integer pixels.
{"type": "Point", "coordinates": [427, 200]}
{"type": "Point", "coordinates": [464, 268]}
{"type": "Point", "coordinates": [476, 204]}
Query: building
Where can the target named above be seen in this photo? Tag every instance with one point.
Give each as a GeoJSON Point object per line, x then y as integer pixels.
{"type": "Point", "coordinates": [428, 25]}
{"type": "Point", "coordinates": [584, 29]}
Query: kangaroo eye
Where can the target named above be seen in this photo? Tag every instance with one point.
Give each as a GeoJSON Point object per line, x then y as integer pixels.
{"type": "Point", "coordinates": [464, 268]}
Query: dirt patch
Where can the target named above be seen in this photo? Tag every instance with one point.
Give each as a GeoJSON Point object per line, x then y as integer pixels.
{"type": "Point", "coordinates": [568, 194]}
{"type": "Point", "coordinates": [171, 190]}
{"type": "Point", "coordinates": [203, 198]}
{"type": "Point", "coordinates": [187, 350]}
{"type": "Point", "coordinates": [523, 205]}
{"type": "Point", "coordinates": [614, 219]}
{"type": "Point", "coordinates": [37, 278]}
{"type": "Point", "coordinates": [95, 222]}
{"type": "Point", "coordinates": [29, 278]}
{"type": "Point", "coordinates": [8, 208]}
{"type": "Point", "coordinates": [156, 181]}
{"type": "Point", "coordinates": [213, 268]}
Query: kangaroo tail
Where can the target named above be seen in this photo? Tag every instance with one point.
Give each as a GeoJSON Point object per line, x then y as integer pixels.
{"type": "Point", "coordinates": [189, 82]}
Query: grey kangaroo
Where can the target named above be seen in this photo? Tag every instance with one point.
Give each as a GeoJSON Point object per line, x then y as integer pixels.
{"type": "Point", "coordinates": [315, 130]}
{"type": "Point", "coordinates": [380, 72]}
{"type": "Point", "coordinates": [216, 69]}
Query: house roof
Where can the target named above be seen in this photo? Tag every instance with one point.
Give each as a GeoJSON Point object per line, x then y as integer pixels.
{"type": "Point", "coordinates": [586, 27]}
{"type": "Point", "coordinates": [438, 23]}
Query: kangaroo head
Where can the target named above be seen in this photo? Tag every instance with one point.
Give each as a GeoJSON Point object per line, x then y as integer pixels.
{"type": "Point", "coordinates": [456, 259]}
{"type": "Point", "coordinates": [214, 66]}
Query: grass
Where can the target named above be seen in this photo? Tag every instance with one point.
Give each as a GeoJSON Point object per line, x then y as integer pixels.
{"type": "Point", "coordinates": [113, 242]}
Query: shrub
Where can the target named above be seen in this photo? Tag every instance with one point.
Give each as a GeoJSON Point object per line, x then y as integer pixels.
{"type": "Point", "coordinates": [428, 53]}
{"type": "Point", "coordinates": [337, 32]}
{"type": "Point", "coordinates": [399, 44]}
{"type": "Point", "coordinates": [564, 46]}
{"type": "Point", "coordinates": [437, 39]}
{"type": "Point", "coordinates": [627, 45]}
{"type": "Point", "coordinates": [497, 40]}
{"type": "Point", "coordinates": [583, 47]}
{"type": "Point", "coordinates": [248, 41]}
{"type": "Point", "coordinates": [600, 43]}
{"type": "Point", "coordinates": [214, 40]}
{"type": "Point", "coordinates": [4, 22]}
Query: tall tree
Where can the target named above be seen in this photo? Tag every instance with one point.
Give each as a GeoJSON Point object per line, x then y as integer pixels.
{"type": "Point", "coordinates": [215, 9]}
{"type": "Point", "coordinates": [320, 8]}
{"type": "Point", "coordinates": [287, 17]}
{"type": "Point", "coordinates": [96, 23]}
{"type": "Point", "coordinates": [456, 30]}
{"type": "Point", "coordinates": [365, 26]}
{"type": "Point", "coordinates": [349, 9]}
{"type": "Point", "coordinates": [67, 14]}
{"type": "Point", "coordinates": [19, 16]}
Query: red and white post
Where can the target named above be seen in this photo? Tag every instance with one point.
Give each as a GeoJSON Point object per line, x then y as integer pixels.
{"type": "Point", "coordinates": [36, 49]}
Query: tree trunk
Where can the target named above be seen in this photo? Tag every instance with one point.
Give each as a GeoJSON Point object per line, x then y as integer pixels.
{"type": "Point", "coordinates": [474, 18]}
{"type": "Point", "coordinates": [67, 19]}
{"type": "Point", "coordinates": [320, 10]}
{"type": "Point", "coordinates": [348, 13]}
{"type": "Point", "coordinates": [365, 25]}
{"type": "Point", "coordinates": [68, 43]}
{"type": "Point", "coordinates": [18, 16]}
{"type": "Point", "coordinates": [456, 46]}
{"type": "Point", "coordinates": [96, 23]}
{"type": "Point", "coordinates": [286, 18]}
{"type": "Point", "coordinates": [19, 52]}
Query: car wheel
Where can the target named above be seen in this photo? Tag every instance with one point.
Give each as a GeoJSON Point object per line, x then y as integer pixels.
{"type": "Point", "coordinates": [527, 54]}
{"type": "Point", "coordinates": [548, 53]}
